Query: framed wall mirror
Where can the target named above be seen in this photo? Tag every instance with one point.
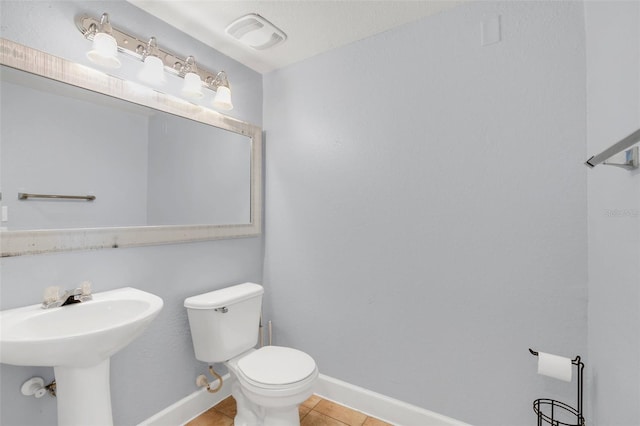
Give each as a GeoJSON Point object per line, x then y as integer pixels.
{"type": "Point", "coordinates": [91, 161]}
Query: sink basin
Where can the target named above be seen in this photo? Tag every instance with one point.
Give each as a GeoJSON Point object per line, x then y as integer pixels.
{"type": "Point", "coordinates": [82, 334]}
{"type": "Point", "coordinates": [77, 341]}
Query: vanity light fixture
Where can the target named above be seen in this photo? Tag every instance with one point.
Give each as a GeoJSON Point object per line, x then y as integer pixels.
{"type": "Point", "coordinates": [105, 48]}
{"type": "Point", "coordinates": [220, 84]}
{"type": "Point", "coordinates": [152, 71]}
{"type": "Point", "coordinates": [156, 60]}
{"type": "Point", "coordinates": [192, 87]}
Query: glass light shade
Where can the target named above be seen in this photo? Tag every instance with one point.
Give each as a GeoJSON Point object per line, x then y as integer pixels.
{"type": "Point", "coordinates": [152, 71]}
{"type": "Point", "coordinates": [104, 51]}
{"type": "Point", "coordinates": [192, 87]}
{"type": "Point", "coordinates": [222, 100]}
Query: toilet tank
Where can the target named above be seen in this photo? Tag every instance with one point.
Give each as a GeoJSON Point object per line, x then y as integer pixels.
{"type": "Point", "coordinates": [224, 323]}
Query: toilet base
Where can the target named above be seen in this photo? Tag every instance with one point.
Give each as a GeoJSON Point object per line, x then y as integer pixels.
{"type": "Point", "coordinates": [251, 414]}
{"type": "Point", "coordinates": [247, 413]}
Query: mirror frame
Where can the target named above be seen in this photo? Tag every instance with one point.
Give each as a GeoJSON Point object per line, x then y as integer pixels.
{"type": "Point", "coordinates": [24, 242]}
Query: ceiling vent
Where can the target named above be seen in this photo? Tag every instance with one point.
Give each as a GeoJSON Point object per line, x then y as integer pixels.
{"type": "Point", "coordinates": [256, 32]}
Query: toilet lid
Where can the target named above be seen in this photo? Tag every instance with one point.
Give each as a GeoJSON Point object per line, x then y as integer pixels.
{"type": "Point", "coordinates": [275, 365]}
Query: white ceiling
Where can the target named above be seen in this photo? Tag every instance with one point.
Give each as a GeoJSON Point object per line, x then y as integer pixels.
{"type": "Point", "coordinates": [312, 26]}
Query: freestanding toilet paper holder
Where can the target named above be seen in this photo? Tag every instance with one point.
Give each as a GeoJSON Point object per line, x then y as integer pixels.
{"type": "Point", "coordinates": [550, 410]}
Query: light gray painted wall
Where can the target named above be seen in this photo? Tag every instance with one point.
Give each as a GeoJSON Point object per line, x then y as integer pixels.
{"type": "Point", "coordinates": [613, 111]}
{"type": "Point", "coordinates": [159, 368]}
{"type": "Point", "coordinates": [426, 208]}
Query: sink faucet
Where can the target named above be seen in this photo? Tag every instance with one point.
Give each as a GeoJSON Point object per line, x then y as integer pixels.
{"type": "Point", "coordinates": [53, 299]}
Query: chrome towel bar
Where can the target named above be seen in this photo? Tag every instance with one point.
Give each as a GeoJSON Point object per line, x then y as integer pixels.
{"type": "Point", "coordinates": [631, 161]}
{"type": "Point", "coordinates": [26, 196]}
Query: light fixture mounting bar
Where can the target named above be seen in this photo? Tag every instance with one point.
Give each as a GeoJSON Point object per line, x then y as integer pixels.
{"type": "Point", "coordinates": [135, 47]}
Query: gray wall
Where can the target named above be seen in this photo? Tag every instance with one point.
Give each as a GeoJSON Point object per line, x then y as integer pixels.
{"type": "Point", "coordinates": [159, 368]}
{"type": "Point", "coordinates": [613, 111]}
{"type": "Point", "coordinates": [426, 208]}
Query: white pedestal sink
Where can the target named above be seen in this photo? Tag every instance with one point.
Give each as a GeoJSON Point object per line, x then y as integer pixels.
{"type": "Point", "coordinates": [77, 341]}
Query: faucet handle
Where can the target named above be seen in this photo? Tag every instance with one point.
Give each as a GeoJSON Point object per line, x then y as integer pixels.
{"type": "Point", "coordinates": [51, 294]}
{"type": "Point", "coordinates": [85, 287]}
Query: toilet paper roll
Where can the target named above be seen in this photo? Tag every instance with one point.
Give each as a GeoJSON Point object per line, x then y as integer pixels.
{"type": "Point", "coordinates": [555, 366]}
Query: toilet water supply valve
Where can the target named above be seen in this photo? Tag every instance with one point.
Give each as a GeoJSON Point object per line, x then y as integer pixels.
{"type": "Point", "coordinates": [35, 387]}
{"type": "Point", "coordinates": [202, 380]}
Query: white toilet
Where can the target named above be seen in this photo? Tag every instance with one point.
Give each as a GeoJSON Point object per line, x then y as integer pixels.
{"type": "Point", "coordinates": [272, 381]}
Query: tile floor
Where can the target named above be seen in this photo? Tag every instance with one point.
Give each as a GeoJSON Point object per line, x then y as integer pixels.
{"type": "Point", "coordinates": [315, 411]}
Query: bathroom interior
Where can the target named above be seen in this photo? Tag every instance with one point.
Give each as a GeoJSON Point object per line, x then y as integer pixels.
{"type": "Point", "coordinates": [423, 214]}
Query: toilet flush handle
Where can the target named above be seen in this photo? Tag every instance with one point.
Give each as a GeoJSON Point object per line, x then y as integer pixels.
{"type": "Point", "coordinates": [223, 310]}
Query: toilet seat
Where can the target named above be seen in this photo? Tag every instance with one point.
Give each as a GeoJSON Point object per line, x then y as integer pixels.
{"type": "Point", "coordinates": [276, 368]}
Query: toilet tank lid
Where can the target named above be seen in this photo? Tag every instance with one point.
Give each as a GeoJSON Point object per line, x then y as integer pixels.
{"type": "Point", "coordinates": [224, 297]}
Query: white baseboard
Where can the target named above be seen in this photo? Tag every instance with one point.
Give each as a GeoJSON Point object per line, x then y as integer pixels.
{"type": "Point", "coordinates": [371, 403]}
{"type": "Point", "coordinates": [380, 406]}
{"type": "Point", "coordinates": [190, 406]}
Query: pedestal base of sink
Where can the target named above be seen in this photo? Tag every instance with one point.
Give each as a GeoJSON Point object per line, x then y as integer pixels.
{"type": "Point", "coordinates": [84, 395]}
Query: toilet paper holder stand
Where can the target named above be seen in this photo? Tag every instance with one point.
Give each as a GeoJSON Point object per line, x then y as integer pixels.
{"type": "Point", "coordinates": [548, 410]}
